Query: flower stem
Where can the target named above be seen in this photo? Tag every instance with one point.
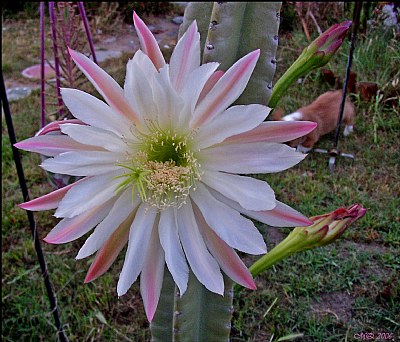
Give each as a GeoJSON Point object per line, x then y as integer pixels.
{"type": "Point", "coordinates": [279, 252]}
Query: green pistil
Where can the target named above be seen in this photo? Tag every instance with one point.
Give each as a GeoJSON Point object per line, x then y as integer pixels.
{"type": "Point", "coordinates": [136, 177]}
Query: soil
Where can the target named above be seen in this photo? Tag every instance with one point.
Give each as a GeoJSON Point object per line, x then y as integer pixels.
{"type": "Point", "coordinates": [338, 304]}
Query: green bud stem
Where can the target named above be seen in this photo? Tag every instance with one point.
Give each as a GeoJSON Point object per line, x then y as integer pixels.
{"type": "Point", "coordinates": [303, 64]}
{"type": "Point", "coordinates": [287, 247]}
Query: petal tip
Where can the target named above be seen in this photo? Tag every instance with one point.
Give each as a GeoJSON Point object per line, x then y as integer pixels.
{"type": "Point", "coordinates": [89, 278]}
{"type": "Point", "coordinates": [24, 206]}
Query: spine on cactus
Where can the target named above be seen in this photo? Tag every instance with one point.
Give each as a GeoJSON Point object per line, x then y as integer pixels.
{"type": "Point", "coordinates": [201, 12]}
{"type": "Point", "coordinates": [228, 31]}
{"type": "Point", "coordinates": [235, 29]}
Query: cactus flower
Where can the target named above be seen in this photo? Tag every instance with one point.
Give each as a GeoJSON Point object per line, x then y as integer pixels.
{"type": "Point", "coordinates": [324, 230]}
{"type": "Point", "coordinates": [314, 56]}
{"type": "Point", "coordinates": [160, 161]}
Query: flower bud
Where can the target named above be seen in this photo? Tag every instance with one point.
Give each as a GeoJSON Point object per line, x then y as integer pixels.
{"type": "Point", "coordinates": [324, 230]}
{"type": "Point", "coordinates": [316, 55]}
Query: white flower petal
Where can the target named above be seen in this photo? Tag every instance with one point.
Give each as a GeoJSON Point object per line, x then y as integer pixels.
{"type": "Point", "coordinates": [87, 194]}
{"type": "Point", "coordinates": [105, 85]}
{"type": "Point", "coordinates": [234, 120]}
{"type": "Point", "coordinates": [70, 229]}
{"type": "Point", "coordinates": [274, 131]}
{"type": "Point", "coordinates": [94, 136]}
{"type": "Point", "coordinates": [195, 83]}
{"type": "Point", "coordinates": [185, 57]}
{"type": "Point", "coordinates": [226, 257]}
{"type": "Point", "coordinates": [250, 193]}
{"type": "Point", "coordinates": [94, 112]}
{"type": "Point", "coordinates": [151, 279]}
{"type": "Point", "coordinates": [281, 216]}
{"type": "Point", "coordinates": [51, 145]}
{"type": "Point", "coordinates": [138, 87]}
{"type": "Point", "coordinates": [257, 157]}
{"type": "Point", "coordinates": [83, 163]}
{"type": "Point", "coordinates": [203, 265]}
{"type": "Point", "coordinates": [122, 208]}
{"type": "Point", "coordinates": [148, 42]}
{"type": "Point", "coordinates": [169, 104]}
{"type": "Point", "coordinates": [174, 256]}
{"type": "Point", "coordinates": [139, 237]}
{"type": "Point", "coordinates": [226, 90]}
{"type": "Point", "coordinates": [237, 231]}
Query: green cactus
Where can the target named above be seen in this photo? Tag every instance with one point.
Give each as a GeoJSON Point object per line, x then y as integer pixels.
{"type": "Point", "coordinates": [199, 315]}
{"type": "Point", "coordinates": [234, 29]}
{"type": "Point", "coordinates": [228, 31]}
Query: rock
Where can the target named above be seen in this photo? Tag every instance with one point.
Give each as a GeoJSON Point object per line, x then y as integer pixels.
{"type": "Point", "coordinates": [156, 29]}
{"type": "Point", "coordinates": [177, 20]}
{"type": "Point", "coordinates": [110, 40]}
{"type": "Point", "coordinates": [102, 55]}
{"type": "Point", "coordinates": [17, 93]}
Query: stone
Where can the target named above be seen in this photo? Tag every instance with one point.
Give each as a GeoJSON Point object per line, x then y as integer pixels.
{"type": "Point", "coordinates": [102, 55]}
{"type": "Point", "coordinates": [177, 20]}
{"type": "Point", "coordinates": [109, 40]}
{"type": "Point", "coordinates": [17, 93]}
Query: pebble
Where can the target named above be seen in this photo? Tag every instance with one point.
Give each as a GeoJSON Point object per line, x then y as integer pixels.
{"type": "Point", "coordinates": [177, 20]}
{"type": "Point", "coordinates": [17, 93]}
{"type": "Point", "coordinates": [109, 40]}
{"type": "Point", "coordinates": [102, 55]}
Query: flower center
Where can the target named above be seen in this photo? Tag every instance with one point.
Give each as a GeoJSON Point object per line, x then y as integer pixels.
{"type": "Point", "coordinates": [162, 169]}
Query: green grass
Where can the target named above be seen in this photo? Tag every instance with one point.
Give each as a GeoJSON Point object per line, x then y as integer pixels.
{"type": "Point", "coordinates": [327, 294]}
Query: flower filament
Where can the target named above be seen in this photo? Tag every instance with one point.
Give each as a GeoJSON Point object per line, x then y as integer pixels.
{"type": "Point", "coordinates": [163, 170]}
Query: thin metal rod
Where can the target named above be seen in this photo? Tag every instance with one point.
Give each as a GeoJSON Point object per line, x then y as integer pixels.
{"type": "Point", "coordinates": [56, 60]}
{"type": "Point", "coordinates": [356, 23]}
{"type": "Point", "coordinates": [89, 36]}
{"type": "Point", "coordinates": [24, 189]}
{"type": "Point", "coordinates": [42, 78]}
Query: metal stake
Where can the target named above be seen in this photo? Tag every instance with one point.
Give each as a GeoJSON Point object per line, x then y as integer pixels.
{"type": "Point", "coordinates": [334, 152]}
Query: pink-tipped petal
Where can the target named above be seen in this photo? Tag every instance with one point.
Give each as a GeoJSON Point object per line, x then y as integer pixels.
{"type": "Point", "coordinates": [148, 42]}
{"type": "Point", "coordinates": [250, 193]}
{"type": "Point", "coordinates": [70, 229]}
{"type": "Point", "coordinates": [226, 90]}
{"type": "Point", "coordinates": [203, 265]}
{"type": "Point", "coordinates": [51, 145]}
{"type": "Point", "coordinates": [49, 201]}
{"type": "Point", "coordinates": [105, 85]}
{"type": "Point", "coordinates": [174, 255]}
{"type": "Point", "coordinates": [236, 230]}
{"type": "Point", "coordinates": [226, 257]}
{"type": "Point", "coordinates": [55, 126]}
{"type": "Point", "coordinates": [273, 131]}
{"type": "Point", "coordinates": [185, 57]}
{"type": "Point", "coordinates": [233, 121]}
{"type": "Point", "coordinates": [258, 157]}
{"type": "Point", "coordinates": [120, 213]}
{"type": "Point", "coordinates": [135, 256]}
{"type": "Point", "coordinates": [281, 216]}
{"type": "Point", "coordinates": [107, 254]}
{"type": "Point", "coordinates": [151, 278]}
{"type": "Point", "coordinates": [210, 84]}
